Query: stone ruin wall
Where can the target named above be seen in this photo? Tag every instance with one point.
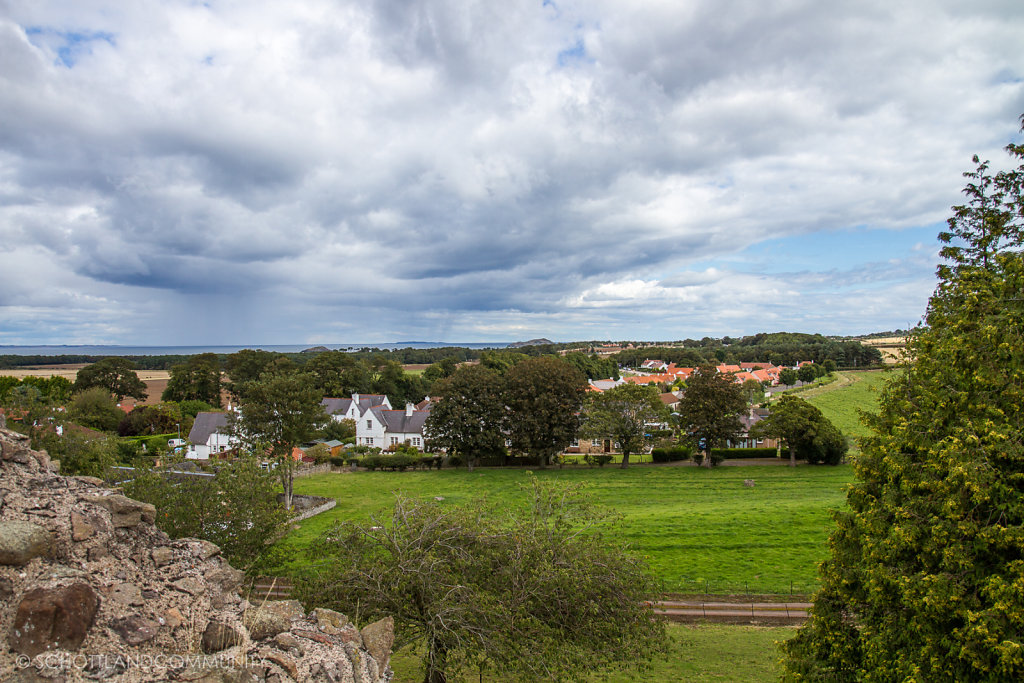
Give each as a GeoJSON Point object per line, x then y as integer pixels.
{"type": "Point", "coordinates": [90, 589]}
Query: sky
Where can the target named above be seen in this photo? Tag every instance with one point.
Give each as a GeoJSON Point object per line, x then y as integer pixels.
{"type": "Point", "coordinates": [177, 172]}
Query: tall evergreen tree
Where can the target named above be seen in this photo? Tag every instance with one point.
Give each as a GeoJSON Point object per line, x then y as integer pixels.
{"type": "Point", "coordinates": [926, 576]}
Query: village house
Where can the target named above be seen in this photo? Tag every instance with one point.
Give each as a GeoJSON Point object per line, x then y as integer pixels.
{"type": "Point", "coordinates": [209, 436]}
{"type": "Point", "coordinates": [385, 428]}
{"type": "Point", "coordinates": [355, 407]}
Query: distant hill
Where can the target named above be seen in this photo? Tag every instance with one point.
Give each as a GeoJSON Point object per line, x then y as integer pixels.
{"type": "Point", "coordinates": [532, 342]}
{"type": "Point", "coordinates": [315, 349]}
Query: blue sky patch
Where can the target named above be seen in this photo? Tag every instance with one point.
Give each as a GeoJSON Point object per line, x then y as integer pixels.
{"type": "Point", "coordinates": [69, 45]}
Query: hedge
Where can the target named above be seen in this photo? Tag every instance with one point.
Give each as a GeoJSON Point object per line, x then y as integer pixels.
{"type": "Point", "coordinates": [744, 453]}
{"type": "Point", "coordinates": [673, 454]}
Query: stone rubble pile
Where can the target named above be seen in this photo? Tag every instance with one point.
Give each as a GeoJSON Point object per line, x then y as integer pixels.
{"type": "Point", "coordinates": [90, 589]}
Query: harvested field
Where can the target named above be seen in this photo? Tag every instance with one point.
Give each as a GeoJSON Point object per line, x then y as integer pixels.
{"type": "Point", "coordinates": [156, 380]}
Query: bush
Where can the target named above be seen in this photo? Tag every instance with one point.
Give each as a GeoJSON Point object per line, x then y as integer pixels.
{"type": "Point", "coordinates": [598, 459]}
{"type": "Point", "coordinates": [716, 456]}
{"type": "Point", "coordinates": [671, 454]}
{"type": "Point", "coordinates": [338, 460]}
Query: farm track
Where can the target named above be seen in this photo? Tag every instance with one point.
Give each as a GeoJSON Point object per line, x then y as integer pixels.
{"type": "Point", "coordinates": [735, 612]}
{"type": "Point", "coordinates": [734, 609]}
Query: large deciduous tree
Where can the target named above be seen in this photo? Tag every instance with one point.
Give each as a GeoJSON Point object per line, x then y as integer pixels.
{"type": "Point", "coordinates": [806, 432]}
{"type": "Point", "coordinates": [927, 564]}
{"type": "Point", "coordinates": [468, 418]}
{"type": "Point", "coordinates": [116, 375]}
{"type": "Point", "coordinates": [197, 379]}
{"type": "Point", "coordinates": [337, 374]}
{"type": "Point", "coordinates": [544, 396]}
{"type": "Point", "coordinates": [247, 365]}
{"type": "Point", "coordinates": [532, 592]}
{"type": "Point", "coordinates": [710, 409]}
{"type": "Point", "coordinates": [276, 414]}
{"type": "Point", "coordinates": [624, 413]}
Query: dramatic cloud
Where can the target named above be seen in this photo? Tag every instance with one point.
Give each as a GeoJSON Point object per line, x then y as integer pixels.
{"type": "Point", "coordinates": [225, 172]}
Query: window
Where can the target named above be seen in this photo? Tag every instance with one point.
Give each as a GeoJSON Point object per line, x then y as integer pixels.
{"type": "Point", "coordinates": [595, 442]}
{"type": "Point", "coordinates": [575, 443]}
{"type": "Point", "coordinates": [416, 441]}
{"type": "Point", "coordinates": [394, 441]}
{"type": "Point", "coordinates": [369, 441]}
{"type": "Point", "coordinates": [369, 424]}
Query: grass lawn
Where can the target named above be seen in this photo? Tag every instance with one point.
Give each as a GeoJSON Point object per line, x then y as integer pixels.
{"type": "Point", "coordinates": [707, 652]}
{"type": "Point", "coordinates": [693, 525]}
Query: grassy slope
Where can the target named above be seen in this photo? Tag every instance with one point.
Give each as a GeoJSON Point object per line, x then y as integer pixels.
{"type": "Point", "coordinates": [842, 400]}
{"type": "Point", "coordinates": [709, 652]}
{"type": "Point", "coordinates": [692, 524]}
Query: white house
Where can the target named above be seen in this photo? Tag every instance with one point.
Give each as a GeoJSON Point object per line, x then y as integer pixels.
{"type": "Point", "coordinates": [384, 428]}
{"type": "Point", "coordinates": [209, 436]}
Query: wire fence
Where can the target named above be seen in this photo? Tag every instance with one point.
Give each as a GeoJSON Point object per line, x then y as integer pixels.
{"type": "Point", "coordinates": [707, 587]}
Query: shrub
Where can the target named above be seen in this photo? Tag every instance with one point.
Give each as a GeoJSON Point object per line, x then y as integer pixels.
{"type": "Point", "coordinates": [672, 453]}
{"type": "Point", "coordinates": [716, 456]}
{"type": "Point", "coordinates": [339, 460]}
{"type": "Point", "coordinates": [598, 459]}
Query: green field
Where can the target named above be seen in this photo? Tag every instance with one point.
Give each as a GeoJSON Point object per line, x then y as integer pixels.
{"type": "Point", "coordinates": [708, 652]}
{"type": "Point", "coordinates": [842, 401]}
{"type": "Point", "coordinates": [699, 529]}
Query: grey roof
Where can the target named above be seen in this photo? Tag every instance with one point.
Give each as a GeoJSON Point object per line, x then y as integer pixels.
{"type": "Point", "coordinates": [370, 401]}
{"type": "Point", "coordinates": [749, 421]}
{"type": "Point", "coordinates": [333, 406]}
{"type": "Point", "coordinates": [205, 425]}
{"type": "Point", "coordinates": [397, 422]}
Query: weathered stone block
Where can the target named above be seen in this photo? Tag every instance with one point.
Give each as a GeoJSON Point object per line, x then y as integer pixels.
{"type": "Point", "coordinates": [20, 542]}
{"type": "Point", "coordinates": [219, 636]}
{"type": "Point", "coordinates": [135, 629]}
{"type": "Point", "coordinates": [264, 624]}
{"type": "Point", "coordinates": [82, 527]}
{"type": "Point", "coordinates": [378, 638]}
{"type": "Point", "coordinates": [289, 609]}
{"type": "Point", "coordinates": [329, 621]}
{"type": "Point", "coordinates": [162, 556]}
{"type": "Point", "coordinates": [124, 512]}
{"type": "Point", "coordinates": [50, 618]}
{"type": "Point", "coordinates": [226, 577]}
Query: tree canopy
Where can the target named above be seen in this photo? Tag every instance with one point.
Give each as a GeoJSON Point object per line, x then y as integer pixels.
{"type": "Point", "coordinates": [625, 414]}
{"type": "Point", "coordinates": [197, 379]}
{"type": "Point", "coordinates": [276, 414]}
{"type": "Point", "coordinates": [468, 418]}
{"type": "Point", "coordinates": [544, 396]}
{"type": "Point", "coordinates": [116, 375]}
{"type": "Point", "coordinates": [806, 432]}
{"type": "Point", "coordinates": [927, 564]}
{"type": "Point", "coordinates": [709, 410]}
{"type": "Point", "coordinates": [537, 591]}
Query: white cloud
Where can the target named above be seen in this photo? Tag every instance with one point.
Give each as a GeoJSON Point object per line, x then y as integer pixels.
{"type": "Point", "coordinates": [474, 170]}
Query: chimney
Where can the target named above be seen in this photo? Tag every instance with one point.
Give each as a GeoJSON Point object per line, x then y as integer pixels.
{"type": "Point", "coordinates": [409, 408]}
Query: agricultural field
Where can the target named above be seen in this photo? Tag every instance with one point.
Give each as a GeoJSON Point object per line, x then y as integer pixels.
{"type": "Point", "coordinates": [706, 652]}
{"type": "Point", "coordinates": [700, 530]}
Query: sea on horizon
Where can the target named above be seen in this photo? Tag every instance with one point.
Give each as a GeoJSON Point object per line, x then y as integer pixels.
{"type": "Point", "coordinates": [115, 350]}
